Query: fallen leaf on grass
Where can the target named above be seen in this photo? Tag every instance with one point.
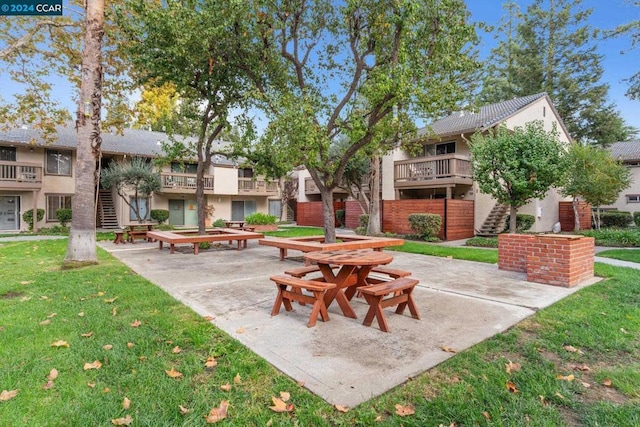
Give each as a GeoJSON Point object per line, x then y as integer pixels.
{"type": "Point", "coordinates": [95, 365]}
{"type": "Point", "coordinates": [285, 395]}
{"type": "Point", "coordinates": [60, 343]}
{"type": "Point", "coordinates": [569, 377]}
{"type": "Point", "coordinates": [44, 297]}
{"type": "Point", "coordinates": [300, 383]}
{"type": "Point", "coordinates": [87, 335]}
{"type": "Point", "coordinates": [341, 408]}
{"type": "Point", "coordinates": [173, 373]}
{"type": "Point", "coordinates": [447, 349]}
{"type": "Point", "coordinates": [176, 350]}
{"type": "Point", "coordinates": [45, 322]}
{"type": "Point", "coordinates": [583, 368]}
{"type": "Point", "coordinates": [572, 349]}
{"type": "Point", "coordinates": [26, 282]}
{"type": "Point", "coordinates": [486, 415]}
{"type": "Point", "coordinates": [107, 346]}
{"type": "Point", "coordinates": [48, 385]}
{"type": "Point", "coordinates": [122, 421]}
{"type": "Point", "coordinates": [110, 300]}
{"type": "Point", "coordinates": [237, 379]}
{"type": "Point", "coordinates": [225, 387]}
{"type": "Point", "coordinates": [126, 403]}
{"type": "Point", "coordinates": [6, 395]}
{"type": "Point", "coordinates": [114, 311]}
{"type": "Point", "coordinates": [100, 293]}
{"type": "Point", "coordinates": [217, 414]}
{"type": "Point", "coordinates": [280, 406]}
{"type": "Point", "coordinates": [208, 318]}
{"type": "Point", "coordinates": [81, 314]}
{"type": "Point", "coordinates": [130, 345]}
{"type": "Point", "coordinates": [607, 383]}
{"type": "Point", "coordinates": [53, 374]}
{"type": "Point", "coordinates": [25, 298]}
{"type": "Point", "coordinates": [135, 323]}
{"type": "Point", "coordinates": [106, 390]}
{"type": "Point", "coordinates": [91, 385]}
{"type": "Point", "coordinates": [183, 410]}
{"type": "Point", "coordinates": [511, 387]}
{"type": "Point", "coordinates": [52, 315]}
{"type": "Point", "coordinates": [585, 385]}
{"type": "Point", "coordinates": [210, 362]}
{"type": "Point", "coordinates": [512, 367]}
{"type": "Point", "coordinates": [403, 411]}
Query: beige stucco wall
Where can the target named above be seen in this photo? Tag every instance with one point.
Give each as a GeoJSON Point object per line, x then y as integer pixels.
{"type": "Point", "coordinates": [621, 203]}
{"type": "Point", "coordinates": [538, 110]}
{"type": "Point", "coordinates": [302, 175]}
{"type": "Point", "coordinates": [225, 180]}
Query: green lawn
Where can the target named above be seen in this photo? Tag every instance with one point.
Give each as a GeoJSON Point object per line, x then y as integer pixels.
{"type": "Point", "coordinates": [111, 305]}
{"type": "Point", "coordinates": [466, 253]}
{"type": "Point", "coordinates": [632, 255]}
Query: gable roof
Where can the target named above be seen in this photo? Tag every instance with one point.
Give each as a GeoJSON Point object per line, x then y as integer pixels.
{"type": "Point", "coordinates": [626, 150]}
{"type": "Point", "coordinates": [133, 142]}
{"type": "Point", "coordinates": [484, 118]}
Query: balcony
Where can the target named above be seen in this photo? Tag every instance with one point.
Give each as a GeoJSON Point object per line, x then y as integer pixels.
{"type": "Point", "coordinates": [257, 187]}
{"type": "Point", "coordinates": [174, 182]}
{"type": "Point", "coordinates": [310, 187]}
{"type": "Point", "coordinates": [433, 172]}
{"type": "Point", "coordinates": [20, 176]}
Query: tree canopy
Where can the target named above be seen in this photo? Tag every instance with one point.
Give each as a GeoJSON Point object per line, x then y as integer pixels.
{"type": "Point", "coordinates": [359, 71]}
{"type": "Point", "coordinates": [551, 48]}
{"type": "Point", "coordinates": [516, 166]}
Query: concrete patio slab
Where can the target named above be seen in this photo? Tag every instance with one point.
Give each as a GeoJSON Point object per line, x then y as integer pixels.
{"type": "Point", "coordinates": [461, 303]}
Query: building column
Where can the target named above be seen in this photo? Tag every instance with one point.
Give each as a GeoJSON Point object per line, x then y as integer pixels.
{"type": "Point", "coordinates": [35, 210]}
{"type": "Point", "coordinates": [448, 193]}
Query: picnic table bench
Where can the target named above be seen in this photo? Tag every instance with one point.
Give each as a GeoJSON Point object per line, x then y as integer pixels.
{"type": "Point", "coordinates": [213, 235]}
{"type": "Point", "coordinates": [317, 243]}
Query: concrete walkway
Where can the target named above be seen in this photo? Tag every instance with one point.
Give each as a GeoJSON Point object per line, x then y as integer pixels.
{"type": "Point", "coordinates": [461, 303]}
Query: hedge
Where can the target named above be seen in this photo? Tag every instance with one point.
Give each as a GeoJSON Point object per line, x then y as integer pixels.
{"type": "Point", "coordinates": [620, 219]}
{"type": "Point", "coordinates": [523, 222]}
{"type": "Point", "coordinates": [160, 215]}
{"type": "Point", "coordinates": [64, 216]}
{"type": "Point", "coordinates": [425, 225]}
{"type": "Point", "coordinates": [27, 217]}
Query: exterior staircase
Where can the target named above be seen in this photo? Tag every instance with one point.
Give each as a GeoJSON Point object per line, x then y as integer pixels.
{"type": "Point", "coordinates": [495, 221]}
{"type": "Point", "coordinates": [106, 211]}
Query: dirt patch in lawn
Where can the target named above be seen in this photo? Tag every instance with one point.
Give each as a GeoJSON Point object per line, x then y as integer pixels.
{"type": "Point", "coordinates": [11, 295]}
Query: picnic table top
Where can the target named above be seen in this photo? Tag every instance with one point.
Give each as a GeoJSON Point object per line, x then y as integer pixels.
{"type": "Point", "coordinates": [347, 257]}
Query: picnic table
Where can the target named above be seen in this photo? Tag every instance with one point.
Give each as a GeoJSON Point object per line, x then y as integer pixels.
{"type": "Point", "coordinates": [354, 268]}
{"type": "Point", "coordinates": [137, 230]}
{"type": "Point", "coordinates": [235, 224]}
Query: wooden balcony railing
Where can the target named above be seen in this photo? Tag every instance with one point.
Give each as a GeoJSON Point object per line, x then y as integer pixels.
{"type": "Point", "coordinates": [20, 175]}
{"type": "Point", "coordinates": [433, 171]}
{"type": "Point", "coordinates": [181, 182]}
{"type": "Point", "coordinates": [257, 186]}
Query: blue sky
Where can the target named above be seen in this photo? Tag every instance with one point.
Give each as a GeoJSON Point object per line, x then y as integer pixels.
{"type": "Point", "coordinates": [607, 15]}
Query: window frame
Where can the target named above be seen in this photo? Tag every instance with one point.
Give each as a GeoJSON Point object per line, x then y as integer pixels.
{"type": "Point", "coordinates": [634, 196]}
{"type": "Point", "coordinates": [431, 150]}
{"type": "Point", "coordinates": [12, 151]}
{"type": "Point", "coordinates": [46, 162]}
{"type": "Point", "coordinates": [52, 212]}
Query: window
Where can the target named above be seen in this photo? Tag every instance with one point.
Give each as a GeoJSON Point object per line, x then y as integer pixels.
{"type": "Point", "coordinates": [143, 204]}
{"type": "Point", "coordinates": [7, 154]}
{"type": "Point", "coordinates": [440, 149]}
{"type": "Point", "coordinates": [245, 173]}
{"type": "Point", "coordinates": [55, 202]}
{"type": "Point", "coordinates": [178, 167]}
{"type": "Point", "coordinates": [633, 198]}
{"type": "Point", "coordinates": [59, 162]}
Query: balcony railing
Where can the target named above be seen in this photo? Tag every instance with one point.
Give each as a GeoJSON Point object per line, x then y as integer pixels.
{"type": "Point", "coordinates": [310, 187]}
{"type": "Point", "coordinates": [433, 171]}
{"type": "Point", "coordinates": [257, 186]}
{"type": "Point", "coordinates": [20, 175]}
{"type": "Point", "coordinates": [173, 182]}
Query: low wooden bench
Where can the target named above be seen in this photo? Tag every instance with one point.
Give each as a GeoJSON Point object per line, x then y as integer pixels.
{"type": "Point", "coordinates": [391, 272]}
{"type": "Point", "coordinates": [218, 235]}
{"type": "Point", "coordinates": [300, 272]}
{"type": "Point", "coordinates": [286, 296]}
{"type": "Point", "coordinates": [401, 289]}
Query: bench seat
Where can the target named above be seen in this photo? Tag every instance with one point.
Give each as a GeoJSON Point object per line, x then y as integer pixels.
{"type": "Point", "coordinates": [285, 296]}
{"type": "Point", "coordinates": [300, 272]}
{"type": "Point", "coordinates": [216, 235]}
{"type": "Point", "coordinates": [400, 289]}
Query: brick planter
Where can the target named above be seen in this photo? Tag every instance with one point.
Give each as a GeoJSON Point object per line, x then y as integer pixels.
{"type": "Point", "coordinates": [263, 227]}
{"type": "Point", "coordinates": [553, 259]}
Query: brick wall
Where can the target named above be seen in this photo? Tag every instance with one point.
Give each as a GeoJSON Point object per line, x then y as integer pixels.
{"type": "Point", "coordinates": [353, 212]}
{"type": "Point", "coordinates": [567, 217]}
{"type": "Point", "coordinates": [512, 251]}
{"type": "Point", "coordinates": [552, 259]}
{"type": "Point", "coordinates": [310, 213]}
{"type": "Point", "coordinates": [560, 260]}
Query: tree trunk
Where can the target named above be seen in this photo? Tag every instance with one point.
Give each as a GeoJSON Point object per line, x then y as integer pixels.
{"type": "Point", "coordinates": [374, 228]}
{"type": "Point", "coordinates": [200, 197]}
{"type": "Point", "coordinates": [576, 215]}
{"type": "Point", "coordinates": [328, 215]}
{"type": "Point", "coordinates": [513, 215]}
{"type": "Point", "coordinates": [81, 248]}
{"type": "Point", "coordinates": [598, 218]}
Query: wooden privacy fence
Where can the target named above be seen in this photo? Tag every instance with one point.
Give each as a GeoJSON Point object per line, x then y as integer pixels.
{"type": "Point", "coordinates": [567, 217]}
{"type": "Point", "coordinates": [457, 215]}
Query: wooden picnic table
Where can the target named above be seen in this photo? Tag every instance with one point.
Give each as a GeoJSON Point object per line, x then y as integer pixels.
{"type": "Point", "coordinates": [139, 230]}
{"type": "Point", "coordinates": [355, 267]}
{"type": "Point", "coordinates": [235, 224]}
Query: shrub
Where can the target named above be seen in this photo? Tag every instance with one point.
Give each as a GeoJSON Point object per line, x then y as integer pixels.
{"type": "Point", "coordinates": [160, 215]}
{"type": "Point", "coordinates": [614, 237]}
{"type": "Point", "coordinates": [27, 217]}
{"type": "Point", "coordinates": [620, 219]}
{"type": "Point", "coordinates": [204, 245]}
{"type": "Point", "coordinates": [165, 227]}
{"type": "Point", "coordinates": [636, 218]}
{"type": "Point", "coordinates": [523, 222]}
{"type": "Point", "coordinates": [425, 225]}
{"type": "Point", "coordinates": [340, 213]}
{"type": "Point", "coordinates": [259, 218]}
{"type": "Point", "coordinates": [483, 242]}
{"type": "Point", "coordinates": [361, 231]}
{"type": "Point", "coordinates": [64, 216]}
{"type": "Point", "coordinates": [220, 222]}
{"type": "Point", "coordinates": [363, 220]}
